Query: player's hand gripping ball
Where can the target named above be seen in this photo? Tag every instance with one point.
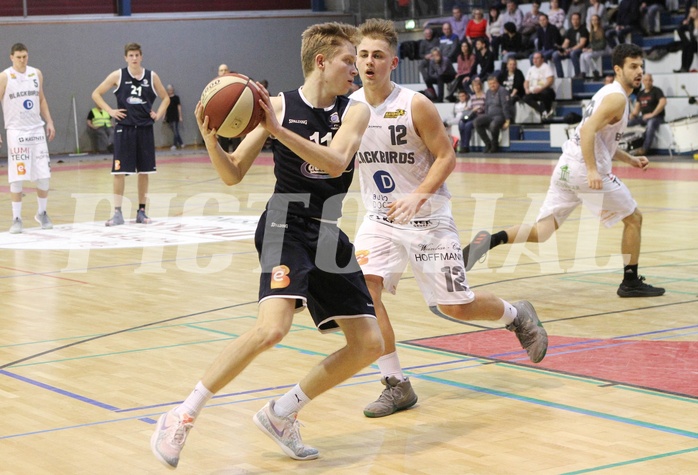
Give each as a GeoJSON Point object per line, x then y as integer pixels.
{"type": "Point", "coordinates": [231, 103]}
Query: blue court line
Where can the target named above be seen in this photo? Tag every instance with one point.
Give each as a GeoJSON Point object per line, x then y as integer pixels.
{"type": "Point", "coordinates": [631, 462]}
{"type": "Point", "coordinates": [562, 407]}
{"type": "Point", "coordinates": [62, 392]}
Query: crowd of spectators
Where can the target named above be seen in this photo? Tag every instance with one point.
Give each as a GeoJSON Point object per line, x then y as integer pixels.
{"type": "Point", "coordinates": [581, 31]}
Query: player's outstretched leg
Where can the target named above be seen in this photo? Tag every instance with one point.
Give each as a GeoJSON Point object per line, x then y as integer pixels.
{"type": "Point", "coordinates": [397, 396]}
{"type": "Point", "coordinates": [168, 439]}
{"type": "Point", "coordinates": [477, 248]}
{"type": "Point", "coordinates": [529, 330]}
{"type": "Point", "coordinates": [285, 432]}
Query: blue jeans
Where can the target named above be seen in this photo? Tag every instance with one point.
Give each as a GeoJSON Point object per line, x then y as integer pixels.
{"type": "Point", "coordinates": [574, 55]}
{"type": "Point", "coordinates": [651, 130]}
{"type": "Point", "coordinates": [466, 132]}
{"type": "Point", "coordinates": [175, 130]}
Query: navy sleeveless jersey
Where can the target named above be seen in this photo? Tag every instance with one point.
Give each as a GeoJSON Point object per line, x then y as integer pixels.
{"type": "Point", "coordinates": [298, 180]}
{"type": "Point", "coordinates": [137, 97]}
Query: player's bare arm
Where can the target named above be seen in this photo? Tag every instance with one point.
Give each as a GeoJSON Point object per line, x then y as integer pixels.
{"type": "Point", "coordinates": [332, 159]}
{"type": "Point", "coordinates": [610, 111]}
{"type": "Point", "coordinates": [231, 167]}
{"type": "Point", "coordinates": [110, 81]}
{"type": "Point", "coordinates": [429, 127]}
{"type": "Point", "coordinates": [637, 162]}
{"type": "Point", "coordinates": [164, 98]}
{"type": "Point", "coordinates": [43, 108]}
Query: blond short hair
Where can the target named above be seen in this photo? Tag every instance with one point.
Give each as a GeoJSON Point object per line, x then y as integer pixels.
{"type": "Point", "coordinates": [325, 39]}
{"type": "Point", "coordinates": [378, 29]}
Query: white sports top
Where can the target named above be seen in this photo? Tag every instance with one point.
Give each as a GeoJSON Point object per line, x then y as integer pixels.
{"type": "Point", "coordinates": [393, 159]}
{"type": "Point", "coordinates": [20, 103]}
{"type": "Point", "coordinates": [607, 139]}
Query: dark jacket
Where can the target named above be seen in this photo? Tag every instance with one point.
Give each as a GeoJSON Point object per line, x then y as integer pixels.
{"type": "Point", "coordinates": [498, 103]}
{"type": "Point", "coordinates": [550, 38]}
{"type": "Point", "coordinates": [519, 80]}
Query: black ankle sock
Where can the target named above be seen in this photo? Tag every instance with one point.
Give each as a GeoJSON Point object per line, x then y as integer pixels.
{"type": "Point", "coordinates": [630, 273]}
{"type": "Point", "coordinates": [499, 238]}
{"type": "Point", "coordinates": [141, 206]}
{"type": "Point", "coordinates": [117, 208]}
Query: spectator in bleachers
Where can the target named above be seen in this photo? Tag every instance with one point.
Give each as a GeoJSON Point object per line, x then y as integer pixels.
{"type": "Point", "coordinates": [596, 7]}
{"type": "Point", "coordinates": [628, 21]}
{"type": "Point", "coordinates": [596, 48]}
{"type": "Point", "coordinates": [576, 38]}
{"type": "Point", "coordinates": [512, 14]}
{"type": "Point", "coordinates": [466, 70]}
{"type": "Point", "coordinates": [608, 79]}
{"type": "Point", "coordinates": [500, 5]}
{"type": "Point", "coordinates": [439, 73]}
{"type": "Point", "coordinates": [688, 32]}
{"type": "Point", "coordinates": [484, 59]}
{"type": "Point", "coordinates": [449, 43]}
{"type": "Point", "coordinates": [548, 37]}
{"type": "Point", "coordinates": [477, 27]}
{"type": "Point", "coordinates": [538, 86]}
{"type": "Point", "coordinates": [458, 21]}
{"type": "Point", "coordinates": [530, 23]}
{"type": "Point", "coordinates": [426, 45]}
{"type": "Point", "coordinates": [458, 110]}
{"type": "Point", "coordinates": [494, 30]}
{"type": "Point", "coordinates": [556, 15]}
{"type": "Point", "coordinates": [512, 79]}
{"type": "Point", "coordinates": [476, 105]}
{"type": "Point", "coordinates": [497, 115]}
{"type": "Point", "coordinates": [578, 6]}
{"type": "Point", "coordinates": [512, 44]}
{"type": "Point", "coordinates": [650, 10]}
{"type": "Point", "coordinates": [648, 111]}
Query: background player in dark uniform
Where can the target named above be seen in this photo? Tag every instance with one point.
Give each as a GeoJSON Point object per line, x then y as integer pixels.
{"type": "Point", "coordinates": [136, 90]}
{"type": "Point", "coordinates": [305, 257]}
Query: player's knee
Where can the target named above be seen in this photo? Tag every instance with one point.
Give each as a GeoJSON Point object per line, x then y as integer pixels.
{"type": "Point", "coordinates": [42, 184]}
{"type": "Point", "coordinates": [268, 336]}
{"type": "Point", "coordinates": [16, 187]}
{"type": "Point", "coordinates": [635, 219]}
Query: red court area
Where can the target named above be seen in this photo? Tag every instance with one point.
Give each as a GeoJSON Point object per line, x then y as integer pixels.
{"type": "Point", "coordinates": [668, 366]}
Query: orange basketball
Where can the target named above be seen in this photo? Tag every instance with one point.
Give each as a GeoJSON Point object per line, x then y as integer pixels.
{"type": "Point", "coordinates": [231, 103]}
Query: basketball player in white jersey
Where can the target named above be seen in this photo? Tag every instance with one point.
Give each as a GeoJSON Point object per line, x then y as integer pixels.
{"type": "Point", "coordinates": [405, 157]}
{"type": "Point", "coordinates": [583, 175]}
{"type": "Point", "coordinates": [23, 106]}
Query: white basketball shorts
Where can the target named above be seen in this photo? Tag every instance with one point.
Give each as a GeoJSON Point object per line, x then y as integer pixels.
{"type": "Point", "coordinates": [27, 155]}
{"type": "Point", "coordinates": [432, 248]}
{"type": "Point", "coordinates": [569, 188]}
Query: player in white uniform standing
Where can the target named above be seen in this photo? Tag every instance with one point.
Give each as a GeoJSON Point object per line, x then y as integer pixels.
{"type": "Point", "coordinates": [23, 106]}
{"type": "Point", "coordinates": [404, 160]}
{"type": "Point", "coordinates": [583, 175]}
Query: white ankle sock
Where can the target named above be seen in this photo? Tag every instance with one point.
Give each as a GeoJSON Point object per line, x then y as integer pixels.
{"type": "Point", "coordinates": [292, 401]}
{"type": "Point", "coordinates": [42, 204]}
{"type": "Point", "coordinates": [390, 366]}
{"type": "Point", "coordinates": [16, 210]}
{"type": "Point", "coordinates": [196, 401]}
{"type": "Point", "coordinates": [510, 313]}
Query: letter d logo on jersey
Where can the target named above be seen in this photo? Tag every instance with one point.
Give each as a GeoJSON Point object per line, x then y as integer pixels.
{"type": "Point", "coordinates": [384, 181]}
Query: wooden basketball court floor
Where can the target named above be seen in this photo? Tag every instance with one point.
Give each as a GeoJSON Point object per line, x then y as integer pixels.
{"type": "Point", "coordinates": [103, 329]}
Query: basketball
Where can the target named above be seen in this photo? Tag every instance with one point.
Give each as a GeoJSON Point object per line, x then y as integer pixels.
{"type": "Point", "coordinates": [231, 104]}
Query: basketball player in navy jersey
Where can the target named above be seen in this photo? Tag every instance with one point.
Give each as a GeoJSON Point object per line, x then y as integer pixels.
{"type": "Point", "coordinates": [583, 175]}
{"type": "Point", "coordinates": [305, 258]}
{"type": "Point", "coordinates": [136, 91]}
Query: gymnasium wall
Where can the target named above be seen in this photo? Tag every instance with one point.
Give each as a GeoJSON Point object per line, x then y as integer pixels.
{"type": "Point", "coordinates": [76, 54]}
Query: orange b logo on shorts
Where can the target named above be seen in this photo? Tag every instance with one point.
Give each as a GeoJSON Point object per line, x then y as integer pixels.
{"type": "Point", "coordinates": [21, 170]}
{"type": "Point", "coordinates": [117, 164]}
{"type": "Point", "coordinates": [362, 257]}
{"type": "Point", "coordinates": [279, 277]}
